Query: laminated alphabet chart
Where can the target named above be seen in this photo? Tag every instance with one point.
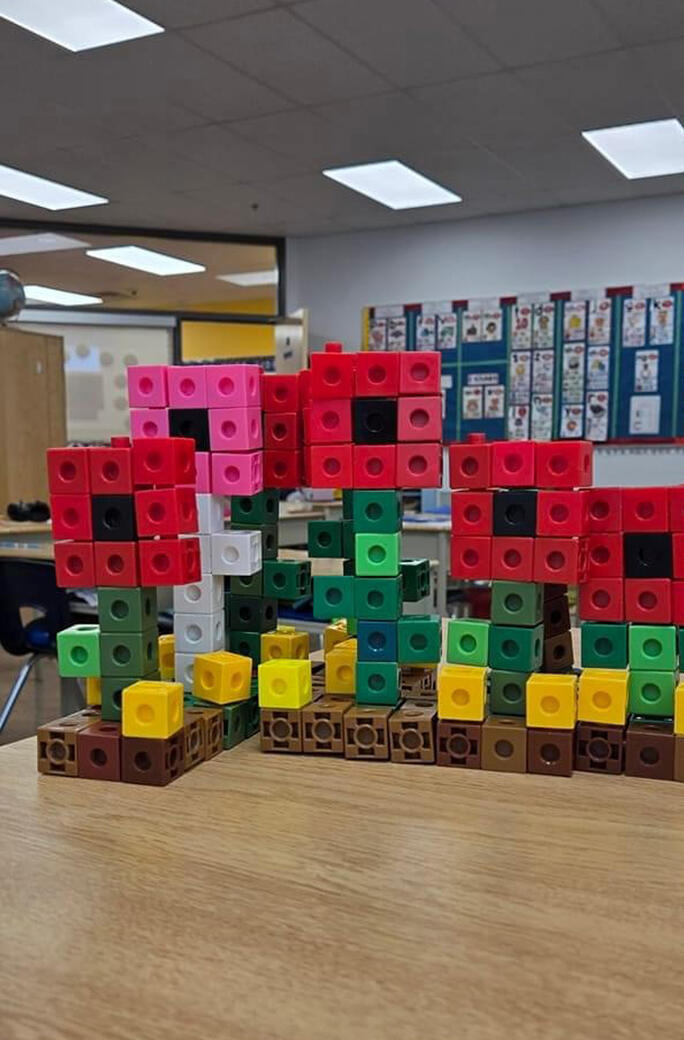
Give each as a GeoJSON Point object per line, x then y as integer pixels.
{"type": "Point", "coordinates": [583, 383]}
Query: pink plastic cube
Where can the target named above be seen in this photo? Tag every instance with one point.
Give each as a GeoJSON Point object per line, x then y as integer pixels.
{"type": "Point", "coordinates": [187, 386]}
{"type": "Point", "coordinates": [237, 473]}
{"type": "Point", "coordinates": [234, 386]}
{"type": "Point", "coordinates": [203, 467]}
{"type": "Point", "coordinates": [149, 422]}
{"type": "Point", "coordinates": [147, 386]}
{"type": "Point", "coordinates": [235, 429]}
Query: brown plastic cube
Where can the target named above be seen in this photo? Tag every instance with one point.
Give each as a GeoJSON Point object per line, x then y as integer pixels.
{"type": "Point", "coordinates": [212, 721]}
{"type": "Point", "coordinates": [57, 749]}
{"type": "Point", "coordinates": [558, 653]}
{"type": "Point", "coordinates": [412, 733]}
{"type": "Point", "coordinates": [318, 681]}
{"type": "Point", "coordinates": [550, 751]}
{"type": "Point", "coordinates": [599, 749]}
{"type": "Point", "coordinates": [556, 616]}
{"type": "Point", "coordinates": [650, 750]}
{"type": "Point", "coordinates": [459, 744]}
{"type": "Point", "coordinates": [323, 726]}
{"type": "Point", "coordinates": [504, 744]}
{"type": "Point", "coordinates": [195, 739]}
{"type": "Point", "coordinates": [418, 681]}
{"type": "Point", "coordinates": [145, 760]}
{"type": "Point", "coordinates": [98, 750]}
{"type": "Point", "coordinates": [366, 732]}
{"type": "Point", "coordinates": [281, 730]}
{"type": "Point", "coordinates": [679, 758]}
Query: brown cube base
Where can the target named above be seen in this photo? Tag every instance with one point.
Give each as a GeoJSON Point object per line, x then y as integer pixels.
{"type": "Point", "coordinates": [679, 758]}
{"type": "Point", "coordinates": [211, 720]}
{"type": "Point", "coordinates": [366, 732]}
{"type": "Point", "coordinates": [550, 751]}
{"type": "Point", "coordinates": [459, 744]}
{"type": "Point", "coordinates": [412, 733]}
{"type": "Point", "coordinates": [504, 744]}
{"type": "Point", "coordinates": [98, 750]}
{"type": "Point", "coordinates": [323, 726]}
{"type": "Point", "coordinates": [599, 749]}
{"type": "Point", "coordinates": [154, 762]}
{"type": "Point", "coordinates": [556, 616]}
{"type": "Point", "coordinates": [418, 682]}
{"type": "Point", "coordinates": [650, 750]}
{"type": "Point", "coordinates": [558, 653]}
{"type": "Point", "coordinates": [318, 681]}
{"type": "Point", "coordinates": [194, 736]}
{"type": "Point", "coordinates": [57, 748]}
{"type": "Point", "coordinates": [281, 730]}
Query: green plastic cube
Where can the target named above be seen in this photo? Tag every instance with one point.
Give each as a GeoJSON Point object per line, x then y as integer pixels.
{"type": "Point", "coordinates": [269, 541]}
{"type": "Point", "coordinates": [333, 596]}
{"type": "Point", "coordinates": [78, 651]}
{"type": "Point", "coordinates": [253, 717]}
{"type": "Point", "coordinates": [516, 649]}
{"type": "Point", "coordinates": [517, 603]}
{"type": "Point", "coordinates": [126, 610]}
{"type": "Point", "coordinates": [604, 644]}
{"type": "Point", "coordinates": [111, 688]}
{"type": "Point", "coordinates": [377, 555]}
{"type": "Point", "coordinates": [378, 682]}
{"type": "Point", "coordinates": [347, 504]}
{"type": "Point", "coordinates": [415, 575]}
{"type": "Point", "coordinates": [247, 585]}
{"type": "Point", "coordinates": [287, 579]}
{"type": "Point", "coordinates": [236, 723]}
{"type": "Point", "coordinates": [507, 692]}
{"type": "Point", "coordinates": [653, 648]}
{"type": "Point", "coordinates": [377, 512]}
{"type": "Point", "coordinates": [252, 614]}
{"type": "Point", "coordinates": [129, 653]}
{"type": "Point", "coordinates": [377, 599]}
{"type": "Point", "coordinates": [419, 638]}
{"type": "Point", "coordinates": [325, 538]}
{"type": "Point", "coordinates": [680, 644]}
{"type": "Point", "coordinates": [467, 641]}
{"type": "Point", "coordinates": [255, 510]}
{"type": "Point", "coordinates": [652, 693]}
{"type": "Point", "coordinates": [246, 643]}
{"type": "Point", "coordinates": [352, 626]}
{"type": "Point", "coordinates": [348, 544]}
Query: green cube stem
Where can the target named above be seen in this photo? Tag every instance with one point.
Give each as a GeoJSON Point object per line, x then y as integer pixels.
{"type": "Point", "coordinates": [653, 648]}
{"type": "Point", "coordinates": [247, 585]}
{"type": "Point", "coordinates": [467, 641]}
{"type": "Point", "coordinates": [129, 653]}
{"type": "Point", "coordinates": [507, 692]}
{"type": "Point", "coordinates": [333, 596]}
{"type": "Point", "coordinates": [415, 575]}
{"type": "Point", "coordinates": [604, 644]}
{"type": "Point", "coordinates": [254, 510]}
{"type": "Point", "coordinates": [377, 512]}
{"type": "Point", "coordinates": [126, 609]}
{"type": "Point", "coordinates": [377, 682]}
{"type": "Point", "coordinates": [419, 639]}
{"type": "Point", "coordinates": [287, 579]}
{"type": "Point", "coordinates": [325, 539]}
{"type": "Point", "coordinates": [652, 693]}
{"type": "Point", "coordinates": [516, 649]}
{"type": "Point", "coordinates": [246, 643]}
{"type": "Point", "coordinates": [78, 651]}
{"type": "Point", "coordinates": [377, 555]}
{"type": "Point", "coordinates": [347, 504]}
{"type": "Point", "coordinates": [517, 603]}
{"type": "Point", "coordinates": [348, 545]}
{"type": "Point", "coordinates": [377, 599]}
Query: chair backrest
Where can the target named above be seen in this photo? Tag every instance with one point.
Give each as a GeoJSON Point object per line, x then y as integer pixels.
{"type": "Point", "coordinates": [30, 583]}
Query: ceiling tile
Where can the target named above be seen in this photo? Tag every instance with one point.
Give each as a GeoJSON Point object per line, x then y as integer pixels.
{"type": "Point", "coordinates": [664, 63]}
{"type": "Point", "coordinates": [236, 159]}
{"type": "Point", "coordinates": [301, 133]}
{"type": "Point", "coordinates": [560, 162]}
{"type": "Point", "coordinates": [179, 14]}
{"type": "Point", "coordinates": [635, 21]}
{"type": "Point", "coordinates": [289, 56]}
{"type": "Point", "coordinates": [472, 172]}
{"type": "Point", "coordinates": [411, 42]}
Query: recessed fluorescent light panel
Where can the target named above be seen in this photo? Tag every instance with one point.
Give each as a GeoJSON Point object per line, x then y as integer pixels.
{"type": "Point", "coordinates": [642, 149]}
{"type": "Point", "coordinates": [21, 245]}
{"type": "Point", "coordinates": [147, 260]}
{"type": "Point", "coordinates": [392, 184]}
{"type": "Point", "coordinates": [45, 294]}
{"type": "Point", "coordinates": [37, 191]}
{"type": "Point", "coordinates": [78, 25]}
{"type": "Point", "coordinates": [247, 278]}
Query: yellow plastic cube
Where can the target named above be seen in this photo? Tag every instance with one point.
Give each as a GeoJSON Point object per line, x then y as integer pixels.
{"type": "Point", "coordinates": [340, 668]}
{"type": "Point", "coordinates": [284, 684]}
{"type": "Point", "coordinates": [461, 692]}
{"type": "Point", "coordinates": [152, 709]}
{"type": "Point", "coordinates": [167, 652]}
{"type": "Point", "coordinates": [93, 691]}
{"type": "Point", "coordinates": [285, 643]}
{"type": "Point", "coordinates": [679, 709]}
{"type": "Point", "coordinates": [222, 677]}
{"type": "Point", "coordinates": [603, 696]}
{"type": "Point", "coordinates": [334, 634]}
{"type": "Point", "coordinates": [551, 701]}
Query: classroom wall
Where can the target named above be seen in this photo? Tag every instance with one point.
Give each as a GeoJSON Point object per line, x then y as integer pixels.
{"type": "Point", "coordinates": [618, 243]}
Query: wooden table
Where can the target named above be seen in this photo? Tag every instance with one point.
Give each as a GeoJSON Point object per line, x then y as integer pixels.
{"type": "Point", "coordinates": [26, 541]}
{"type": "Point", "coordinates": [299, 898]}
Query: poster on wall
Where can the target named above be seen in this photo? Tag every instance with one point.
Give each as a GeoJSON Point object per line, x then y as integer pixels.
{"type": "Point", "coordinates": [492, 325]}
{"type": "Point", "coordinates": [426, 330]}
{"type": "Point", "coordinates": [518, 422]}
{"type": "Point", "coordinates": [573, 373]}
{"type": "Point", "coordinates": [472, 326]}
{"type": "Point", "coordinates": [543, 325]}
{"type": "Point", "coordinates": [494, 397]}
{"type": "Point", "coordinates": [522, 327]}
{"type": "Point", "coordinates": [597, 415]}
{"type": "Point", "coordinates": [542, 371]}
{"type": "Point", "coordinates": [634, 323]}
{"type": "Point", "coordinates": [661, 323]}
{"type": "Point", "coordinates": [541, 424]}
{"type": "Point", "coordinates": [396, 334]}
{"type": "Point", "coordinates": [472, 403]}
{"type": "Point", "coordinates": [646, 371]}
{"type": "Point", "coordinates": [377, 334]}
{"type": "Point", "coordinates": [571, 420]}
{"type": "Point", "coordinates": [600, 322]}
{"type": "Point", "coordinates": [598, 368]}
{"type": "Point", "coordinates": [644, 415]}
{"type": "Point", "coordinates": [519, 376]}
{"type": "Point", "coordinates": [575, 322]}
{"type": "Point", "coordinates": [447, 331]}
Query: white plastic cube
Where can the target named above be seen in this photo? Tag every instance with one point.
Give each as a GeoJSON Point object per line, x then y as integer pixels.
{"type": "Point", "coordinates": [199, 597]}
{"type": "Point", "coordinates": [184, 665]}
{"type": "Point", "coordinates": [210, 510]}
{"type": "Point", "coordinates": [199, 633]}
{"type": "Point", "coordinates": [237, 553]}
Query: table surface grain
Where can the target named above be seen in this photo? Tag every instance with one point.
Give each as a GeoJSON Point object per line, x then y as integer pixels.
{"type": "Point", "coordinates": [267, 897]}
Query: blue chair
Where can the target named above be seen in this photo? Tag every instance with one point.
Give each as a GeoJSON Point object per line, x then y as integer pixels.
{"type": "Point", "coordinates": [32, 584]}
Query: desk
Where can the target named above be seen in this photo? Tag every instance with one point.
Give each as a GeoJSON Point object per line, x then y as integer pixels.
{"type": "Point", "coordinates": [300, 898]}
{"type": "Point", "coordinates": [27, 541]}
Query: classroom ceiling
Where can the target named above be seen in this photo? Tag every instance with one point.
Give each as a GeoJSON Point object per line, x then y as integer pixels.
{"type": "Point", "coordinates": [225, 121]}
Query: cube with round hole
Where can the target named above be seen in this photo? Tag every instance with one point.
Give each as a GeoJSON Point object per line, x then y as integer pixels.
{"type": "Point", "coordinates": [152, 709]}
{"type": "Point", "coordinates": [602, 696]}
{"type": "Point", "coordinates": [284, 684]}
{"type": "Point", "coordinates": [517, 603]}
{"type": "Point", "coordinates": [340, 668]}
{"type": "Point", "coordinates": [461, 692]}
{"type": "Point", "coordinates": [290, 645]}
{"type": "Point", "coordinates": [222, 677]}
{"type": "Point", "coordinates": [604, 645]}
{"type": "Point", "coordinates": [377, 555]}
{"type": "Point", "coordinates": [516, 649]}
{"type": "Point", "coordinates": [78, 651]}
{"type": "Point", "coordinates": [333, 596]}
{"type": "Point", "coordinates": [420, 639]}
{"type": "Point", "coordinates": [551, 701]}
{"type": "Point", "coordinates": [129, 653]}
{"type": "Point", "coordinates": [467, 641]}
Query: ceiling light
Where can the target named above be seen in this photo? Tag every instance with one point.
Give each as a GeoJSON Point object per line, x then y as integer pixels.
{"type": "Point", "coordinates": [248, 278]}
{"type": "Point", "coordinates": [37, 191]}
{"type": "Point", "coordinates": [145, 260]}
{"type": "Point", "coordinates": [642, 149]}
{"type": "Point", "coordinates": [78, 25]}
{"type": "Point", "coordinates": [45, 294]}
{"type": "Point", "coordinates": [393, 184]}
{"type": "Point", "coordinates": [16, 245]}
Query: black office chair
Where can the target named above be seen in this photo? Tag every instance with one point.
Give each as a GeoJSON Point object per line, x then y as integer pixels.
{"type": "Point", "coordinates": [29, 583]}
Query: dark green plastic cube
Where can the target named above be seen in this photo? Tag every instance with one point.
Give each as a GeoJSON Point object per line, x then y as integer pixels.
{"type": "Point", "coordinates": [246, 643]}
{"type": "Point", "coordinates": [252, 614]}
{"type": "Point", "coordinates": [419, 639]}
{"type": "Point", "coordinates": [378, 682]}
{"type": "Point", "coordinates": [468, 641]}
{"type": "Point", "coordinates": [255, 510]}
{"type": "Point", "coordinates": [377, 512]}
{"type": "Point", "coordinates": [652, 693]}
{"type": "Point", "coordinates": [377, 599]}
{"type": "Point", "coordinates": [235, 723]}
{"type": "Point", "coordinates": [287, 579]}
{"type": "Point", "coordinates": [111, 687]}
{"type": "Point", "coordinates": [253, 717]}
{"type": "Point", "coordinates": [516, 649]}
{"type": "Point", "coordinates": [352, 626]}
{"type": "Point", "coordinates": [348, 543]}
{"type": "Point", "coordinates": [507, 692]}
{"type": "Point", "coordinates": [604, 644]}
{"type": "Point", "coordinates": [333, 596]}
{"type": "Point", "coordinates": [653, 648]}
{"type": "Point", "coordinates": [415, 575]}
{"type": "Point", "coordinates": [129, 653]}
{"type": "Point", "coordinates": [269, 542]}
{"type": "Point", "coordinates": [126, 610]}
{"type": "Point", "coordinates": [347, 504]}
{"type": "Point", "coordinates": [325, 539]}
{"type": "Point", "coordinates": [247, 585]}
{"type": "Point", "coordinates": [517, 603]}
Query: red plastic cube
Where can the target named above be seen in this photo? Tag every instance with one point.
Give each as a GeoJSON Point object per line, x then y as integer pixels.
{"type": "Point", "coordinates": [513, 464]}
{"type": "Point", "coordinates": [280, 392]}
{"type": "Point", "coordinates": [645, 509]}
{"type": "Point", "coordinates": [331, 466]}
{"type": "Point", "coordinates": [559, 560]}
{"type": "Point", "coordinates": [419, 419]}
{"type": "Point", "coordinates": [281, 431]}
{"type": "Point", "coordinates": [304, 386]}
{"type": "Point", "coordinates": [512, 559]}
{"type": "Point", "coordinates": [648, 602]}
{"type": "Point", "coordinates": [678, 603]}
{"type": "Point", "coordinates": [602, 599]}
{"type": "Point", "coordinates": [470, 465]}
{"type": "Point", "coordinates": [377, 374]}
{"type": "Point", "coordinates": [163, 461]}
{"type": "Point", "coordinates": [419, 465]}
{"type": "Point", "coordinates": [71, 517]}
{"type": "Point", "coordinates": [676, 499]}
{"type": "Point", "coordinates": [420, 372]}
{"type": "Point", "coordinates": [282, 469]}
{"type": "Point", "coordinates": [605, 555]}
{"type": "Point", "coordinates": [471, 513]}
{"type": "Point", "coordinates": [170, 561]}
{"type": "Point", "coordinates": [471, 558]}
{"type": "Point", "coordinates": [111, 471]}
{"type": "Point", "coordinates": [116, 564]}
{"type": "Point", "coordinates": [603, 509]}
{"type": "Point", "coordinates": [374, 466]}
{"type": "Point", "coordinates": [165, 511]}
{"type": "Point", "coordinates": [332, 375]}
{"type": "Point", "coordinates": [565, 464]}
{"type": "Point", "coordinates": [329, 421]}
{"type": "Point", "coordinates": [560, 514]}
{"type": "Point", "coordinates": [68, 471]}
{"type": "Point", "coordinates": [75, 565]}
{"type": "Point", "coordinates": [678, 555]}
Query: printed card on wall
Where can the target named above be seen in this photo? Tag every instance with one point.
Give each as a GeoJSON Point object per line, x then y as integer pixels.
{"type": "Point", "coordinates": [518, 422]}
{"type": "Point", "coordinates": [571, 420]}
{"type": "Point", "coordinates": [472, 326]}
{"type": "Point", "coordinates": [522, 326]}
{"type": "Point", "coordinates": [645, 371]}
{"type": "Point", "coordinates": [377, 334]}
{"type": "Point", "coordinates": [542, 371]}
{"type": "Point", "coordinates": [426, 329]}
{"type": "Point", "coordinates": [492, 326]}
{"type": "Point", "coordinates": [396, 334]}
{"type": "Point", "coordinates": [519, 376]}
{"type": "Point", "coordinates": [634, 323]}
{"type": "Point", "coordinates": [598, 368]}
{"type": "Point", "coordinates": [575, 322]}
{"type": "Point", "coordinates": [494, 401]}
{"type": "Point", "coordinates": [573, 373]}
{"type": "Point", "coordinates": [472, 403]}
{"type": "Point", "coordinates": [597, 415]}
{"type": "Point", "coordinates": [541, 425]}
{"type": "Point", "coordinates": [447, 331]}
{"type": "Point", "coordinates": [644, 415]}
{"type": "Point", "coordinates": [543, 325]}
{"type": "Point", "coordinates": [600, 322]}
{"type": "Point", "coordinates": [661, 328]}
